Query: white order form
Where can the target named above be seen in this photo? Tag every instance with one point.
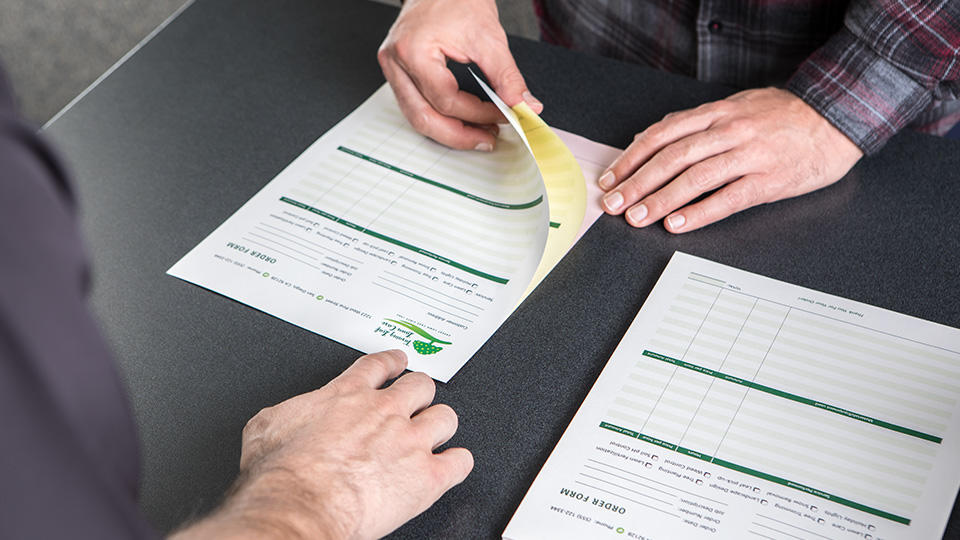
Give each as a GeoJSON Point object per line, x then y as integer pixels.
{"type": "Point", "coordinates": [378, 237]}
{"type": "Point", "coordinates": [737, 406]}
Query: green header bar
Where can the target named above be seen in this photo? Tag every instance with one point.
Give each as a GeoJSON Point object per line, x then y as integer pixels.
{"type": "Point", "coordinates": [451, 189]}
{"type": "Point", "coordinates": [395, 242]}
{"type": "Point", "coordinates": [794, 397]}
{"type": "Point", "coordinates": [755, 473]}
{"type": "Point", "coordinates": [619, 429]}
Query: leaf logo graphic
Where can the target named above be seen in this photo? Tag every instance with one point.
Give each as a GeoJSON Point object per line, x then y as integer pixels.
{"type": "Point", "coordinates": [422, 347]}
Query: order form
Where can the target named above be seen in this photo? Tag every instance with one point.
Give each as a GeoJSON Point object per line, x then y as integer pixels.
{"type": "Point", "coordinates": [380, 238]}
{"type": "Point", "coordinates": [738, 406]}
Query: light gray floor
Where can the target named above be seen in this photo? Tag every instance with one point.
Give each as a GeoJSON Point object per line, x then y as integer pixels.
{"type": "Point", "coordinates": [54, 49]}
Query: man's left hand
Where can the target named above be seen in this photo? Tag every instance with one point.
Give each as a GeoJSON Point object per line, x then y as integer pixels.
{"type": "Point", "coordinates": [755, 147]}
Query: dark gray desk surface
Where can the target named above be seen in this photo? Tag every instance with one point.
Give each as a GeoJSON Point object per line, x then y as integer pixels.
{"type": "Point", "coordinates": [178, 137]}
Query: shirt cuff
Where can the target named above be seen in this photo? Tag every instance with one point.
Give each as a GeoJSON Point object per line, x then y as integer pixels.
{"type": "Point", "coordinates": [862, 94]}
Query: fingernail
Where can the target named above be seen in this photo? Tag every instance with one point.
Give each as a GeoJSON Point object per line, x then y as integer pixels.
{"type": "Point", "coordinates": [531, 101]}
{"type": "Point", "coordinates": [606, 180]}
{"type": "Point", "coordinates": [676, 221]}
{"type": "Point", "coordinates": [613, 201]}
{"type": "Point", "coordinates": [637, 213]}
{"type": "Point", "coordinates": [484, 147]}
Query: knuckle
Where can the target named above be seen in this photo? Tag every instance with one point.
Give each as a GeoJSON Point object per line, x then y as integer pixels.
{"type": "Point", "coordinates": [402, 49]}
{"type": "Point", "coordinates": [741, 196]}
{"type": "Point", "coordinates": [336, 387]}
{"type": "Point", "coordinates": [448, 414]}
{"type": "Point", "coordinates": [697, 214]}
{"type": "Point", "coordinates": [258, 424]}
{"type": "Point", "coordinates": [366, 367]}
{"type": "Point", "coordinates": [704, 108]}
{"type": "Point", "coordinates": [709, 174]}
{"type": "Point", "coordinates": [495, 39]}
{"type": "Point", "coordinates": [374, 362]}
{"type": "Point", "coordinates": [726, 131]}
{"type": "Point", "coordinates": [510, 76]}
{"type": "Point", "coordinates": [445, 103]}
{"type": "Point", "coordinates": [419, 379]}
{"type": "Point", "coordinates": [387, 359]}
{"type": "Point", "coordinates": [653, 133]}
{"type": "Point", "coordinates": [702, 177]}
{"type": "Point", "coordinates": [393, 423]}
{"type": "Point", "coordinates": [438, 475]}
{"type": "Point", "coordinates": [420, 120]}
{"type": "Point", "coordinates": [463, 464]}
{"type": "Point", "coordinates": [733, 199]}
{"type": "Point", "coordinates": [742, 127]}
{"type": "Point", "coordinates": [387, 403]}
{"type": "Point", "coordinates": [676, 153]}
{"type": "Point", "coordinates": [384, 54]}
{"type": "Point", "coordinates": [394, 356]}
{"type": "Point", "coordinates": [718, 107]}
{"type": "Point", "coordinates": [716, 136]}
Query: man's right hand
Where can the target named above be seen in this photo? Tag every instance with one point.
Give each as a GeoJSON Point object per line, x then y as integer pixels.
{"type": "Point", "coordinates": [349, 460]}
{"type": "Point", "coordinates": [414, 60]}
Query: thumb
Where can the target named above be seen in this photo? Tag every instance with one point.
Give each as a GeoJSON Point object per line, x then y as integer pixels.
{"type": "Point", "coordinates": [502, 72]}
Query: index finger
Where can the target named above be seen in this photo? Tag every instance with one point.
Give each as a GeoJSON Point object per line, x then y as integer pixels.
{"type": "Point", "coordinates": [440, 88]}
{"type": "Point", "coordinates": [494, 58]}
{"type": "Point", "coordinates": [422, 116]}
{"type": "Point", "coordinates": [373, 370]}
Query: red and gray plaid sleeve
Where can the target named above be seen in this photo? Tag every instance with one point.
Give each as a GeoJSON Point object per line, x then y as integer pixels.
{"type": "Point", "coordinates": [891, 60]}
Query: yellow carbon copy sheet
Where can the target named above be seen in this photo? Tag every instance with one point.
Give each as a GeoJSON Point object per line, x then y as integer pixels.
{"type": "Point", "coordinates": [562, 178]}
{"type": "Point", "coordinates": [379, 238]}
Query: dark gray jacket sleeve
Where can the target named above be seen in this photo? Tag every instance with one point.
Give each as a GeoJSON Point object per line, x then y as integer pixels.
{"type": "Point", "coordinates": [68, 452]}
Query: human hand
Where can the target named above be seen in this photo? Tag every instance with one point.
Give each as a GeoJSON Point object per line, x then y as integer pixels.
{"type": "Point", "coordinates": [414, 60]}
{"type": "Point", "coordinates": [755, 147]}
{"type": "Point", "coordinates": [349, 460]}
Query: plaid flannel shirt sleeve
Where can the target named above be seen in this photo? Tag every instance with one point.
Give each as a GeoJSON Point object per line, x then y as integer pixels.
{"type": "Point", "coordinates": [890, 61]}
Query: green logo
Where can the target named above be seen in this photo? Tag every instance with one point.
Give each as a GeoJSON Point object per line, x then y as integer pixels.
{"type": "Point", "coordinates": [422, 347]}
{"type": "Point", "coordinates": [266, 274]}
{"type": "Point", "coordinates": [620, 530]}
{"type": "Point", "coordinates": [319, 297]}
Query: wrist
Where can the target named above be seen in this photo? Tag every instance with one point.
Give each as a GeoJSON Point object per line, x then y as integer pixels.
{"type": "Point", "coordinates": [406, 5]}
{"type": "Point", "coordinates": [860, 92]}
{"type": "Point", "coordinates": [270, 504]}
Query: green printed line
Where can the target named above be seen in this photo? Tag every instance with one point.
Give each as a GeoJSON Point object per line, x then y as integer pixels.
{"type": "Point", "coordinates": [755, 473]}
{"type": "Point", "coordinates": [708, 277]}
{"type": "Point", "coordinates": [395, 242]}
{"type": "Point", "coordinates": [415, 176]}
{"type": "Point", "coordinates": [554, 225]}
{"type": "Point", "coordinates": [793, 397]}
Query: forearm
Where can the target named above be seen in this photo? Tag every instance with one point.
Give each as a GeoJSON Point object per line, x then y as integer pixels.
{"type": "Point", "coordinates": [883, 69]}
{"type": "Point", "coordinates": [267, 505]}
